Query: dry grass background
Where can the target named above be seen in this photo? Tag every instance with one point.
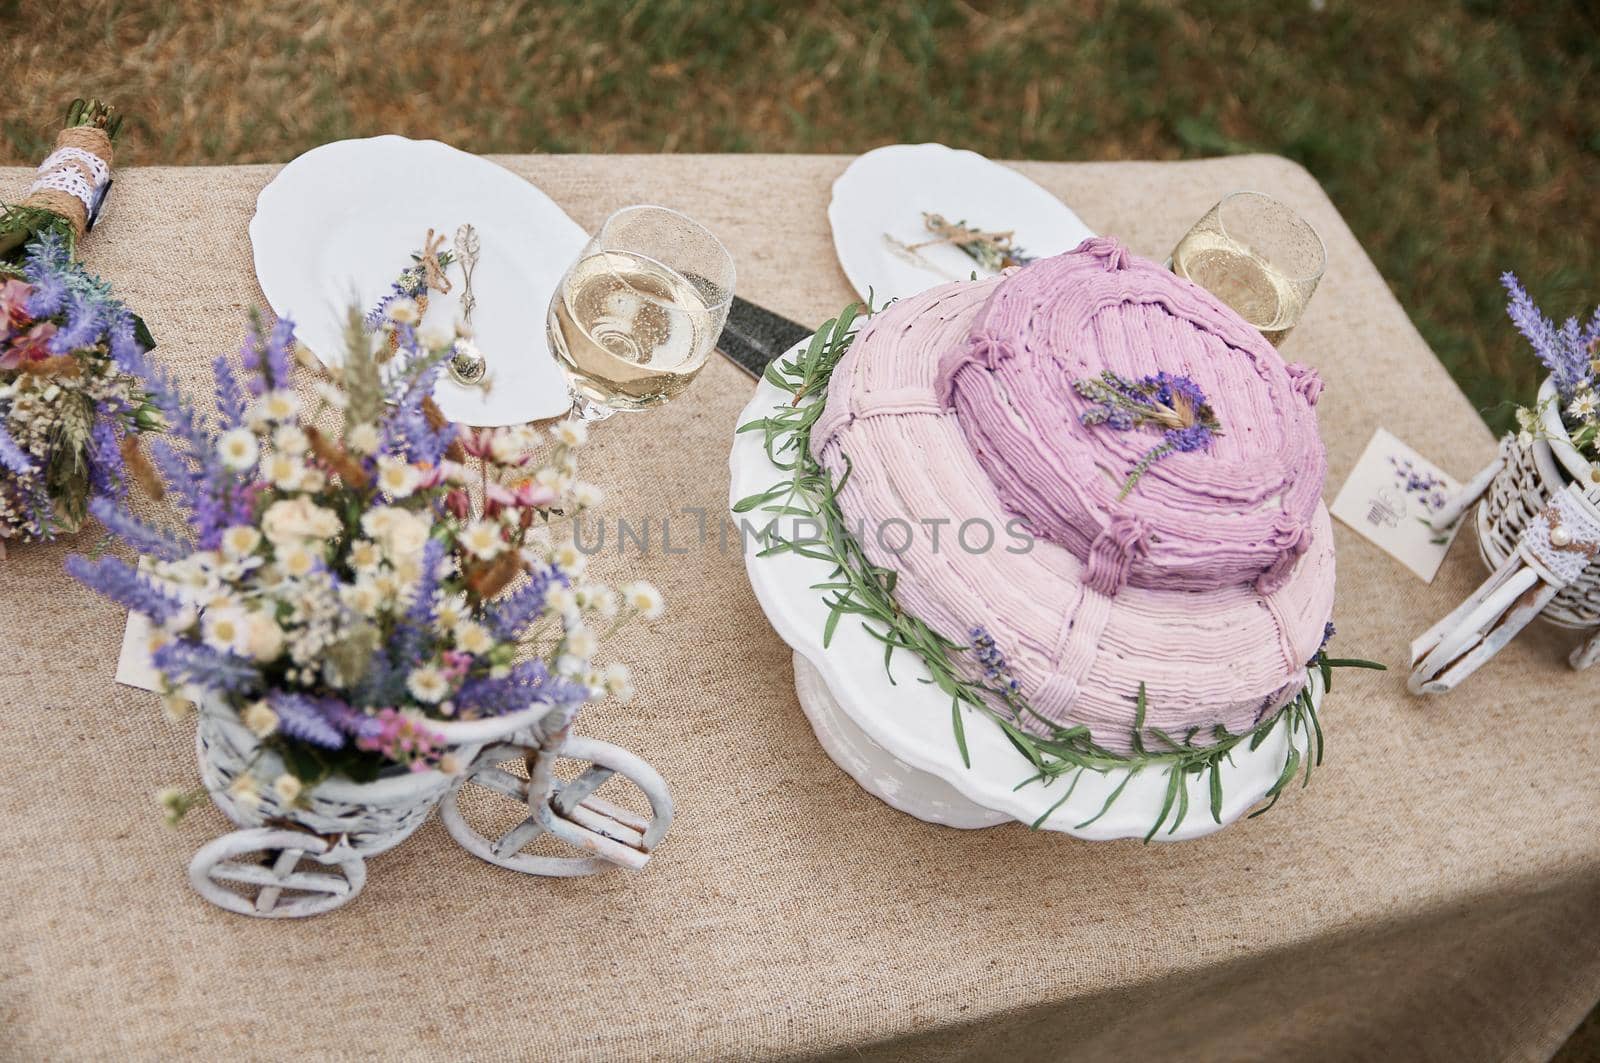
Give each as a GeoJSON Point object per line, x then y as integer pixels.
{"type": "Point", "coordinates": [1459, 138]}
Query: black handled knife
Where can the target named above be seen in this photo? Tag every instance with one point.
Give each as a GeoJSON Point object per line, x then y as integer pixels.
{"type": "Point", "coordinates": [754, 336]}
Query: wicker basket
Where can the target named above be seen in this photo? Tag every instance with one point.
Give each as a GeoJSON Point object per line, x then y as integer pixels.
{"type": "Point", "coordinates": [373, 817]}
{"type": "Point", "coordinates": [1525, 484]}
{"type": "Point", "coordinates": [1539, 533]}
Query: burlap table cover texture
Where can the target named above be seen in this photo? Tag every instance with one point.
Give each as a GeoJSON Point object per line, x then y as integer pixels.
{"type": "Point", "coordinates": [1431, 896]}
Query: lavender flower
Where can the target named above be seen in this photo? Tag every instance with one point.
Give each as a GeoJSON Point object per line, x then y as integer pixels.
{"type": "Point", "coordinates": [995, 667]}
{"type": "Point", "coordinates": [122, 583]}
{"type": "Point", "coordinates": [83, 327]}
{"type": "Point", "coordinates": [231, 401]}
{"type": "Point", "coordinates": [530, 683]}
{"type": "Point", "coordinates": [508, 618]}
{"type": "Point", "coordinates": [189, 662]}
{"type": "Point", "coordinates": [350, 720]}
{"type": "Point", "coordinates": [178, 475]}
{"type": "Point", "coordinates": [105, 457]}
{"type": "Point", "coordinates": [12, 456]}
{"type": "Point", "coordinates": [1328, 632]}
{"type": "Point", "coordinates": [143, 537]}
{"type": "Point", "coordinates": [418, 620]}
{"type": "Point", "coordinates": [49, 295]}
{"type": "Point", "coordinates": [1567, 352]}
{"type": "Point", "coordinates": [306, 718]}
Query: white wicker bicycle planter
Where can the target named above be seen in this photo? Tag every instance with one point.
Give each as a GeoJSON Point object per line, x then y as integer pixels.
{"type": "Point", "coordinates": [1538, 530]}
{"type": "Point", "coordinates": [338, 824]}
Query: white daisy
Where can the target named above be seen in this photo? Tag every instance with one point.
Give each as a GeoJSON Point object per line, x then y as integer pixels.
{"type": "Point", "coordinates": [291, 439]}
{"type": "Point", "coordinates": [296, 560]}
{"type": "Point", "coordinates": [560, 599]}
{"type": "Point", "coordinates": [363, 597]}
{"type": "Point", "coordinates": [278, 405]}
{"type": "Point", "coordinates": [451, 612]}
{"type": "Point", "coordinates": [506, 447]}
{"type": "Point", "coordinates": [362, 438]}
{"type": "Point", "coordinates": [582, 642]}
{"type": "Point", "coordinates": [223, 629]}
{"type": "Point", "coordinates": [482, 539]}
{"type": "Point", "coordinates": [571, 433]}
{"type": "Point", "coordinates": [645, 598]}
{"type": "Point", "coordinates": [427, 684]}
{"type": "Point", "coordinates": [569, 559]}
{"type": "Point", "coordinates": [587, 495]}
{"type": "Point", "coordinates": [403, 312]}
{"type": "Point", "coordinates": [472, 637]}
{"type": "Point", "coordinates": [618, 682]}
{"type": "Point", "coordinates": [238, 449]}
{"type": "Point", "coordinates": [387, 584]}
{"type": "Point", "coordinates": [283, 472]}
{"type": "Point", "coordinates": [241, 540]}
{"type": "Point", "coordinates": [263, 638]}
{"type": "Point", "coordinates": [365, 555]}
{"type": "Point", "coordinates": [553, 478]}
{"type": "Point", "coordinates": [436, 336]}
{"type": "Point", "coordinates": [604, 601]}
{"type": "Point", "coordinates": [397, 478]}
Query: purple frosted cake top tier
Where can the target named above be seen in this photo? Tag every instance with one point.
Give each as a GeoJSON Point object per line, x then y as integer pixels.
{"type": "Point", "coordinates": [913, 491]}
{"type": "Point", "coordinates": [1061, 440]}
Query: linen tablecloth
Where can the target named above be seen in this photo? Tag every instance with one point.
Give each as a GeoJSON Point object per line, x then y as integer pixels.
{"type": "Point", "coordinates": [1432, 895]}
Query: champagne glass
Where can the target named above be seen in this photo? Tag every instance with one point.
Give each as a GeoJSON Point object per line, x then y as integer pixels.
{"type": "Point", "coordinates": [637, 315]}
{"type": "Point", "coordinates": [1256, 255]}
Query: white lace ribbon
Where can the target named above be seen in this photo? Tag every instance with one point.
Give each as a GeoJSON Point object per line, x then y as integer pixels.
{"type": "Point", "coordinates": [57, 172]}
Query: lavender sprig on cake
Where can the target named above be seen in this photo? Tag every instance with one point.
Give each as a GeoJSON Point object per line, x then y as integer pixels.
{"type": "Point", "coordinates": [1168, 401]}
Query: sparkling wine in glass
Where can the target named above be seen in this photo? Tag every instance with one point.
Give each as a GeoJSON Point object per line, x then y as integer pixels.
{"type": "Point", "coordinates": [1256, 255]}
{"type": "Point", "coordinates": [638, 314]}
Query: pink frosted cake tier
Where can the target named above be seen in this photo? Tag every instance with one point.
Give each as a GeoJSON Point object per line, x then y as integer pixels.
{"type": "Point", "coordinates": [1229, 654]}
{"type": "Point", "coordinates": [1239, 509]}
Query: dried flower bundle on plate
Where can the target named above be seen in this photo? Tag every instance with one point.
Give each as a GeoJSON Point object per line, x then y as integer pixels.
{"type": "Point", "coordinates": [353, 567]}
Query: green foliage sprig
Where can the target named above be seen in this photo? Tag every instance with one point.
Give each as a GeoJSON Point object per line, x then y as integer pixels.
{"type": "Point", "coordinates": [860, 588]}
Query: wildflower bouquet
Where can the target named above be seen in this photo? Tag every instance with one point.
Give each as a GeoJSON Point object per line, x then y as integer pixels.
{"type": "Point", "coordinates": [1572, 355]}
{"type": "Point", "coordinates": [68, 404]}
{"type": "Point", "coordinates": [352, 567]}
{"type": "Point", "coordinates": [68, 408]}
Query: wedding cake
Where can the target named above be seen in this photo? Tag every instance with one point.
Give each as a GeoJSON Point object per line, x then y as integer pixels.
{"type": "Point", "coordinates": [1104, 481]}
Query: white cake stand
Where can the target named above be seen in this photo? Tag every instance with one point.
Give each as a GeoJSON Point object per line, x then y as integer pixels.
{"type": "Point", "coordinates": [893, 734]}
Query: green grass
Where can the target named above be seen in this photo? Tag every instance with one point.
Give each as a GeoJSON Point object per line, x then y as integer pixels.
{"type": "Point", "coordinates": [1459, 139]}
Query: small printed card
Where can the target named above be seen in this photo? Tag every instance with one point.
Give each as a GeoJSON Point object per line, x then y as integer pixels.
{"type": "Point", "coordinates": [1389, 498]}
{"type": "Point", "coordinates": [133, 664]}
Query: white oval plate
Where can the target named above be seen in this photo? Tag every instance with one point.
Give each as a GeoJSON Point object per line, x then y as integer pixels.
{"type": "Point", "coordinates": [886, 191]}
{"type": "Point", "coordinates": [910, 719]}
{"type": "Point", "coordinates": [341, 221]}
